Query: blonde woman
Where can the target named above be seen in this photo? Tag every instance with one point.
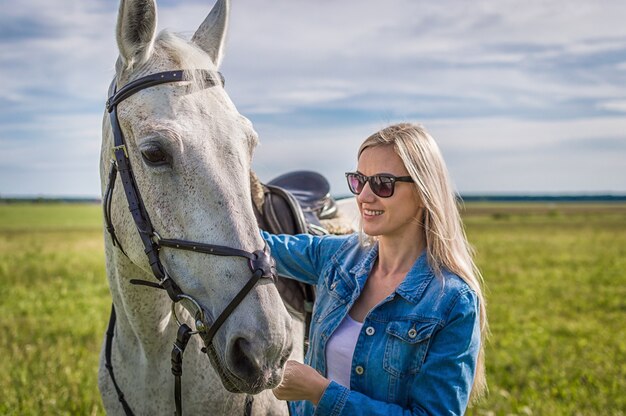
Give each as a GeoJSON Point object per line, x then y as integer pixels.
{"type": "Point", "coordinates": [399, 321]}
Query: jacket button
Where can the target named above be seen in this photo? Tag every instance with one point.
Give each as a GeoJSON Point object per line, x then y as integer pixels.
{"type": "Point", "coordinates": [359, 370]}
{"type": "Point", "coordinates": [412, 333]}
{"type": "Point", "coordinates": [333, 286]}
{"type": "Point", "coordinates": [370, 330]}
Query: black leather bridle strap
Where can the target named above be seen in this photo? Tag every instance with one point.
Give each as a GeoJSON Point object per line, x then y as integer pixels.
{"type": "Point", "coordinates": [109, 365]}
{"type": "Point", "coordinates": [108, 197]}
{"type": "Point", "coordinates": [182, 338]}
{"type": "Point", "coordinates": [259, 260]}
{"type": "Point", "coordinates": [207, 337]}
{"type": "Point", "coordinates": [161, 78]}
{"type": "Point", "coordinates": [247, 409]}
{"type": "Point", "coordinates": [135, 203]}
{"type": "Point", "coordinates": [205, 248]}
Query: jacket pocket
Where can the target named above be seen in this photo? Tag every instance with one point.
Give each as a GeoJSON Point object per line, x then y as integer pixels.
{"type": "Point", "coordinates": [407, 345]}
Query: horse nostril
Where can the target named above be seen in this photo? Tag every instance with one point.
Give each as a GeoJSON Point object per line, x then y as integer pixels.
{"type": "Point", "coordinates": [243, 360]}
{"type": "Point", "coordinates": [260, 365]}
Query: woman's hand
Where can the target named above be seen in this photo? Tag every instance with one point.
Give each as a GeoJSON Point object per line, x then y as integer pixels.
{"type": "Point", "coordinates": [301, 382]}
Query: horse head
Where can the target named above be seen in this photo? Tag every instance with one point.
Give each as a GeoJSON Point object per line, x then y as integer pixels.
{"type": "Point", "coordinates": [190, 152]}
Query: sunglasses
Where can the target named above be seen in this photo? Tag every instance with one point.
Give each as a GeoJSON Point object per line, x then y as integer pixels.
{"type": "Point", "coordinates": [382, 185]}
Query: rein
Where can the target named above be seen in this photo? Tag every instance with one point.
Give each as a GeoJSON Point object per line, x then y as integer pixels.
{"type": "Point", "coordinates": [260, 262]}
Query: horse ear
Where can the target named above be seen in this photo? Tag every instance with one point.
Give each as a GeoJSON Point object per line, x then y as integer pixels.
{"type": "Point", "coordinates": [211, 34]}
{"type": "Point", "coordinates": [136, 30]}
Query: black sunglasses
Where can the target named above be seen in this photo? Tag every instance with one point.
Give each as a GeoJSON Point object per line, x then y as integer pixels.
{"type": "Point", "coordinates": [382, 185]}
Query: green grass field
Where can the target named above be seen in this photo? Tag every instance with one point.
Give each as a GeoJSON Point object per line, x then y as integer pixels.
{"type": "Point", "coordinates": [556, 288]}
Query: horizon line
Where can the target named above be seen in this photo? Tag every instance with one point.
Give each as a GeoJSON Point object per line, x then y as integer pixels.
{"type": "Point", "coordinates": [496, 196]}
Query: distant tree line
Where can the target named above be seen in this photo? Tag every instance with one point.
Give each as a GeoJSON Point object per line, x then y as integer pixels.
{"type": "Point", "coordinates": [465, 198]}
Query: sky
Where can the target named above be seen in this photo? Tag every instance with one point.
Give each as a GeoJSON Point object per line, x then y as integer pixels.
{"type": "Point", "coordinates": [523, 97]}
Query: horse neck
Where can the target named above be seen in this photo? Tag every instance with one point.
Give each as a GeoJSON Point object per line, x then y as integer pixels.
{"type": "Point", "coordinates": [143, 313]}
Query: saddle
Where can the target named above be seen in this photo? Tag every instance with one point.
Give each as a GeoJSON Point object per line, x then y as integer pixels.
{"type": "Point", "coordinates": [294, 203]}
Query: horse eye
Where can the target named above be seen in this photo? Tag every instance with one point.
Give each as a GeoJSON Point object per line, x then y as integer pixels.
{"type": "Point", "coordinates": [154, 155]}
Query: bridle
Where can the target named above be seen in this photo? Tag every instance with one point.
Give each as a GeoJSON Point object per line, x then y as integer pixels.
{"type": "Point", "coordinates": [261, 263]}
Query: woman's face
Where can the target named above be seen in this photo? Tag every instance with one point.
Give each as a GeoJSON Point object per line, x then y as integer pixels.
{"type": "Point", "coordinates": [396, 216]}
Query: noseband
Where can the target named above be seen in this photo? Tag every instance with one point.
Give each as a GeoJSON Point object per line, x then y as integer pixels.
{"type": "Point", "coordinates": [260, 262]}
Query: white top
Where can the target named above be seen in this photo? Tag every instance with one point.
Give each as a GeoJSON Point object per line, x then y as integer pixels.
{"type": "Point", "coordinates": [340, 349]}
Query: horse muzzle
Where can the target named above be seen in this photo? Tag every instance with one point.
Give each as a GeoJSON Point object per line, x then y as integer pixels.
{"type": "Point", "coordinates": [242, 371]}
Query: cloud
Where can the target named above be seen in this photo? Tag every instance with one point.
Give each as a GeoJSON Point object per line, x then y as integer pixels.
{"type": "Point", "coordinates": [503, 87]}
{"type": "Point", "coordinates": [618, 106]}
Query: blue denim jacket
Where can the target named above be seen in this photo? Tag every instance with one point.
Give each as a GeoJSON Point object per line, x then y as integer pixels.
{"type": "Point", "coordinates": [416, 353]}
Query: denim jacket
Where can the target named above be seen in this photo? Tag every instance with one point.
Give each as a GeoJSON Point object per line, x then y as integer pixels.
{"type": "Point", "coordinates": [417, 350]}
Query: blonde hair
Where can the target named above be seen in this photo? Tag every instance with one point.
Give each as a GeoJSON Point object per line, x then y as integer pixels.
{"type": "Point", "coordinates": [444, 235]}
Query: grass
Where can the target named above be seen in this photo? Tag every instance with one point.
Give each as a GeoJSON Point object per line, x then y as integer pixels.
{"type": "Point", "coordinates": [54, 302]}
{"type": "Point", "coordinates": [556, 279]}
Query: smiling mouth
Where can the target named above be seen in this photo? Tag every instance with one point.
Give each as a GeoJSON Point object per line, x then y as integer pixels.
{"type": "Point", "coordinates": [372, 212]}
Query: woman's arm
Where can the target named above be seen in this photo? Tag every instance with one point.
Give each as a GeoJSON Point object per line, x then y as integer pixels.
{"type": "Point", "coordinates": [303, 256]}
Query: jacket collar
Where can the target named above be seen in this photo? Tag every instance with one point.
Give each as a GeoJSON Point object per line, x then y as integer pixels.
{"type": "Point", "coordinates": [414, 284]}
{"type": "Point", "coordinates": [364, 266]}
{"type": "Point", "coordinates": [417, 280]}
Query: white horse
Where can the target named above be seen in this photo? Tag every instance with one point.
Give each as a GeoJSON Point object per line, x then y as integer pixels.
{"type": "Point", "coordinates": [190, 151]}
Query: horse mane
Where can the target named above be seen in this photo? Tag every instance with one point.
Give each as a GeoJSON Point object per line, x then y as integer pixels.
{"type": "Point", "coordinates": [256, 191]}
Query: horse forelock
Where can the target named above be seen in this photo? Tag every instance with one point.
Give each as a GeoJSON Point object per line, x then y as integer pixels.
{"type": "Point", "coordinates": [171, 51]}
